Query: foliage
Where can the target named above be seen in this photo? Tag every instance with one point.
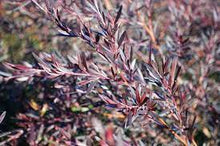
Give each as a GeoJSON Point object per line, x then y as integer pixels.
{"type": "Point", "coordinates": [140, 72]}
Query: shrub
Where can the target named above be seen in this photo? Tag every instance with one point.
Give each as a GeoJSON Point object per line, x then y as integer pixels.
{"type": "Point", "coordinates": [149, 63]}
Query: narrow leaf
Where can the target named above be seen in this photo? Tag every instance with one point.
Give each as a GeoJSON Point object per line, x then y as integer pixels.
{"type": "Point", "coordinates": [172, 72]}
{"type": "Point", "coordinates": [150, 54]}
{"type": "Point", "coordinates": [118, 15]}
{"type": "Point", "coordinates": [121, 39]}
{"type": "Point", "coordinates": [97, 38]}
{"type": "Point", "coordinates": [83, 60]}
{"type": "Point", "coordinates": [138, 96]}
{"type": "Point", "coordinates": [2, 116]}
{"type": "Point", "coordinates": [175, 79]}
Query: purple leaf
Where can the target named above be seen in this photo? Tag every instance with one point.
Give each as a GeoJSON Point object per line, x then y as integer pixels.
{"type": "Point", "coordinates": [121, 39]}
{"type": "Point", "coordinates": [118, 15]}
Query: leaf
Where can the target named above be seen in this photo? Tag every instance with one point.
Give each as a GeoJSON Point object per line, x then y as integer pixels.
{"type": "Point", "coordinates": [44, 110]}
{"type": "Point", "coordinates": [131, 54]}
{"type": "Point", "coordinates": [22, 79]}
{"type": "Point", "coordinates": [206, 132]}
{"type": "Point", "coordinates": [118, 15]}
{"type": "Point", "coordinates": [65, 34]}
{"type": "Point", "coordinates": [85, 82]}
{"type": "Point", "coordinates": [177, 73]}
{"type": "Point", "coordinates": [42, 63]}
{"type": "Point", "coordinates": [21, 67]}
{"type": "Point", "coordinates": [84, 109]}
{"type": "Point", "coordinates": [138, 98]}
{"type": "Point", "coordinates": [2, 116]}
{"type": "Point", "coordinates": [165, 66]}
{"type": "Point", "coordinates": [75, 109]}
{"type": "Point", "coordinates": [172, 72]}
{"type": "Point", "coordinates": [39, 6]}
{"type": "Point", "coordinates": [140, 75]}
{"type": "Point", "coordinates": [150, 56]}
{"type": "Point", "coordinates": [86, 30]}
{"type": "Point", "coordinates": [91, 86]}
{"type": "Point", "coordinates": [152, 72]}
{"type": "Point", "coordinates": [128, 120]}
{"type": "Point", "coordinates": [62, 32]}
{"type": "Point", "coordinates": [97, 38]}
{"type": "Point", "coordinates": [133, 64]}
{"type": "Point", "coordinates": [103, 16]}
{"type": "Point", "coordinates": [5, 74]}
{"type": "Point", "coordinates": [108, 100]}
{"type": "Point", "coordinates": [121, 39]}
{"type": "Point", "coordinates": [34, 105]}
{"type": "Point", "coordinates": [83, 60]}
{"type": "Point", "coordinates": [112, 71]}
{"type": "Point", "coordinates": [185, 41]}
{"type": "Point", "coordinates": [122, 55]}
{"type": "Point", "coordinates": [143, 98]}
{"type": "Point", "coordinates": [10, 66]}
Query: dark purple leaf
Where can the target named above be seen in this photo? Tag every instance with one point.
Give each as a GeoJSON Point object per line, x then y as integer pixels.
{"type": "Point", "coordinates": [118, 15]}
{"type": "Point", "coordinates": [177, 73]}
{"type": "Point", "coordinates": [121, 39]}
{"type": "Point", "coordinates": [97, 38]}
